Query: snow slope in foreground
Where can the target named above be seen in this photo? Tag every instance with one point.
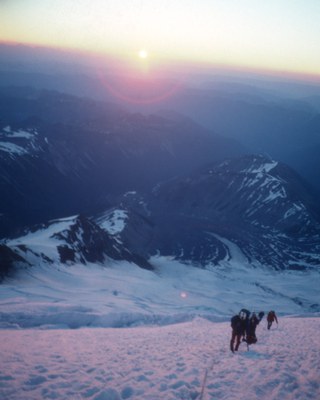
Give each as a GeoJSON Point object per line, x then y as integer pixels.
{"type": "Point", "coordinates": [187, 361]}
{"type": "Point", "coordinates": [158, 361]}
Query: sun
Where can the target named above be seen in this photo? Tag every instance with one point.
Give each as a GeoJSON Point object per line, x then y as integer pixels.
{"type": "Point", "coordinates": [143, 53]}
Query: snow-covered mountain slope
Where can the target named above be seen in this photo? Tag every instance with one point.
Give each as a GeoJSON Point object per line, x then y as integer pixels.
{"type": "Point", "coordinates": [54, 284]}
{"type": "Point", "coordinates": [71, 272]}
{"type": "Point", "coordinates": [65, 241]}
{"type": "Point", "coordinates": [261, 206]}
{"type": "Point", "coordinates": [119, 293]}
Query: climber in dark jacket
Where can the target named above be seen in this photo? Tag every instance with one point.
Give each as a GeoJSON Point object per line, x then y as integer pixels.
{"type": "Point", "coordinates": [271, 317]}
{"type": "Point", "coordinates": [238, 325]}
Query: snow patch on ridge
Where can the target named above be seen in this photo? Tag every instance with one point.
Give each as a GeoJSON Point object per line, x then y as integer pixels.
{"type": "Point", "coordinates": [262, 169]}
{"type": "Point", "coordinates": [19, 142]}
{"type": "Point", "coordinates": [8, 132]}
{"type": "Point", "coordinates": [113, 221]}
{"type": "Point", "coordinates": [12, 148]}
{"type": "Point", "coordinates": [42, 241]}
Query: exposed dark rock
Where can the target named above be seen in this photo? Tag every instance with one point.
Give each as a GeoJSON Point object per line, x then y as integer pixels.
{"type": "Point", "coordinates": [7, 261]}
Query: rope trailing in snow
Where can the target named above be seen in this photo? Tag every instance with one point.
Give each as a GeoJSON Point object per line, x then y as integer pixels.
{"type": "Point", "coordinates": [205, 380]}
{"type": "Point", "coordinates": [203, 384]}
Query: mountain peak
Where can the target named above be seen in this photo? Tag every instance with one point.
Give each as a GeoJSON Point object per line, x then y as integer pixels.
{"type": "Point", "coordinates": [250, 163]}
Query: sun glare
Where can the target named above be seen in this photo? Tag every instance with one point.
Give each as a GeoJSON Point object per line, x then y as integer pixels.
{"type": "Point", "coordinates": [143, 53]}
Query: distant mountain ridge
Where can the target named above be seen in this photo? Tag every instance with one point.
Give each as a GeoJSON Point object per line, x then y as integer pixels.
{"type": "Point", "coordinates": [253, 203]}
{"type": "Point", "coordinates": [61, 155]}
{"type": "Point", "coordinates": [252, 209]}
{"type": "Point", "coordinates": [139, 186]}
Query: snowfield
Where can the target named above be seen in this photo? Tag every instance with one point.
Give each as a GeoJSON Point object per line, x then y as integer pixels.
{"type": "Point", "coordinates": [120, 332]}
{"type": "Point", "coordinates": [188, 360]}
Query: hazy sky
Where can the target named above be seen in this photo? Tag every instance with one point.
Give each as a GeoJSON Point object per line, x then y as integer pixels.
{"type": "Point", "coordinates": [275, 34]}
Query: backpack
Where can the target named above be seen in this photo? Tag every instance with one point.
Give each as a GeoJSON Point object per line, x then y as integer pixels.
{"type": "Point", "coordinates": [251, 339]}
{"type": "Point", "coordinates": [251, 329]}
{"type": "Point", "coordinates": [234, 321]}
{"type": "Point", "coordinates": [271, 316]}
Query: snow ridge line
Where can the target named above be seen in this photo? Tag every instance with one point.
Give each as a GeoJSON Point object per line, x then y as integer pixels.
{"type": "Point", "coordinates": [80, 317]}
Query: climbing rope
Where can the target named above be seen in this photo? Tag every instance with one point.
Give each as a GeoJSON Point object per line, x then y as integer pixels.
{"type": "Point", "coordinates": [205, 380]}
